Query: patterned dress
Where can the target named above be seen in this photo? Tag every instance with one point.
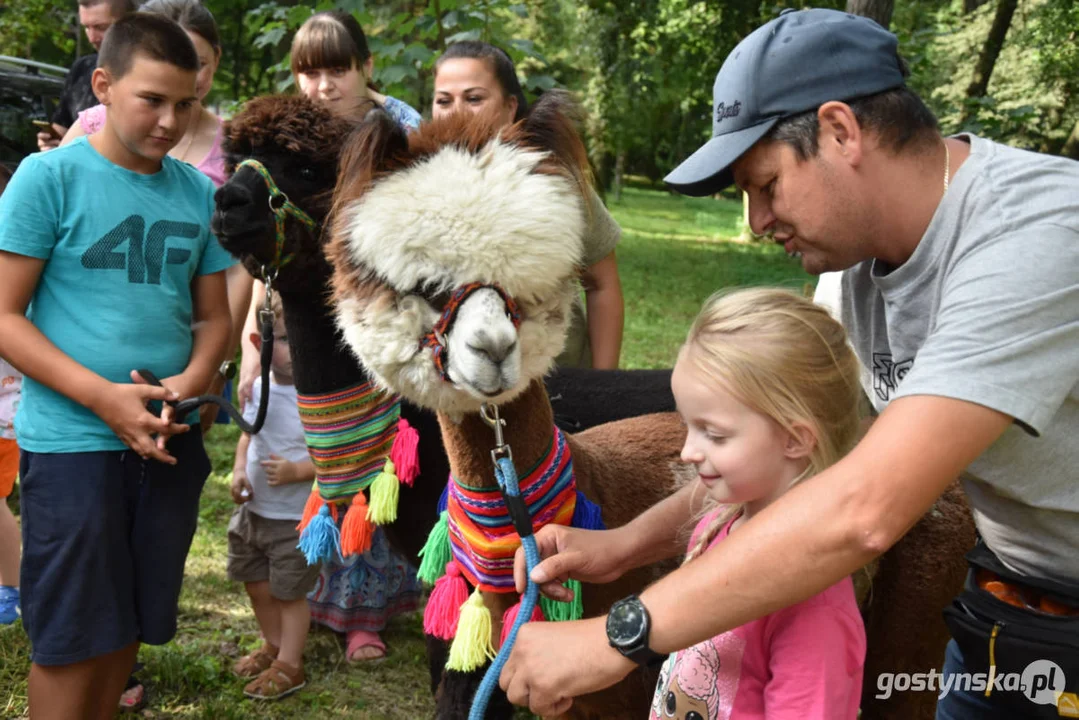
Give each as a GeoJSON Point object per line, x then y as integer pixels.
{"type": "Point", "coordinates": [363, 592]}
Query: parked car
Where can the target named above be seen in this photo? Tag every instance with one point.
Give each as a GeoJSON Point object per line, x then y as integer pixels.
{"type": "Point", "coordinates": [29, 91]}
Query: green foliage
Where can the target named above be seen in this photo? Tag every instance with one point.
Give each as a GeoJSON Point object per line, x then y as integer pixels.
{"type": "Point", "coordinates": [42, 30]}
{"type": "Point", "coordinates": [1032, 100]}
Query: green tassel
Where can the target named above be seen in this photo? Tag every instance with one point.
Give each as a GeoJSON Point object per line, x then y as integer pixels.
{"type": "Point", "coordinates": [471, 647]}
{"type": "Point", "coordinates": [436, 551]}
{"type": "Point", "coordinates": [384, 493]}
{"type": "Point", "coordinates": [556, 611]}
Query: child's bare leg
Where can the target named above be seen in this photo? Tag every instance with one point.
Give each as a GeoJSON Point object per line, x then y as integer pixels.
{"type": "Point", "coordinates": [89, 689]}
{"type": "Point", "coordinates": [267, 611]}
{"type": "Point", "coordinates": [295, 622]}
{"type": "Point", "coordinates": [10, 545]}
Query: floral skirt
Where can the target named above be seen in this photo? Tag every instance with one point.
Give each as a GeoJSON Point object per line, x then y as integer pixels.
{"type": "Point", "coordinates": [364, 591]}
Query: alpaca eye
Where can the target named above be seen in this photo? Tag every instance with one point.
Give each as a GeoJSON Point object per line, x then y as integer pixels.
{"type": "Point", "coordinates": [307, 173]}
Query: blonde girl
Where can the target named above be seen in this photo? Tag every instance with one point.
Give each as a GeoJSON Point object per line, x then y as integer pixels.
{"type": "Point", "coordinates": [769, 391]}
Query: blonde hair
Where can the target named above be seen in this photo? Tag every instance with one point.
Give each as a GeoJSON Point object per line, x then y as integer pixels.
{"type": "Point", "coordinates": [786, 358]}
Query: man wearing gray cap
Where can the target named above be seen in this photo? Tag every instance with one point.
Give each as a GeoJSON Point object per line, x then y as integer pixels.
{"type": "Point", "coordinates": [960, 293]}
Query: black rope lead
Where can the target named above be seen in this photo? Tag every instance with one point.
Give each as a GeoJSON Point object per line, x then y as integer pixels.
{"type": "Point", "coordinates": [184, 407]}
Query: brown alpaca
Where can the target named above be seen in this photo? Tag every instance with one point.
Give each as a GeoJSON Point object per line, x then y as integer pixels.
{"type": "Point", "coordinates": [498, 214]}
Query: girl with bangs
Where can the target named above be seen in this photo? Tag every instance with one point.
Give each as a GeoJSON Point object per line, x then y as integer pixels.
{"type": "Point", "coordinates": [332, 64]}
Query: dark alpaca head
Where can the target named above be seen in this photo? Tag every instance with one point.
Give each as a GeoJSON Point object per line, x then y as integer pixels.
{"type": "Point", "coordinates": [298, 141]}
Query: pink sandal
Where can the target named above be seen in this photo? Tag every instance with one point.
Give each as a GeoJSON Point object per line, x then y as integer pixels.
{"type": "Point", "coordinates": [360, 640]}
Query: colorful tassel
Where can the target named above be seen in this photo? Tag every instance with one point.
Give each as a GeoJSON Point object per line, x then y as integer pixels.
{"type": "Point", "coordinates": [310, 509]}
{"type": "Point", "coordinates": [443, 609]}
{"type": "Point", "coordinates": [556, 611]}
{"type": "Point", "coordinates": [587, 515]}
{"type": "Point", "coordinates": [471, 647]}
{"type": "Point", "coordinates": [356, 530]}
{"type": "Point", "coordinates": [510, 616]}
{"type": "Point", "coordinates": [436, 552]}
{"type": "Point", "coordinates": [405, 452]}
{"type": "Point", "coordinates": [320, 540]}
{"type": "Point", "coordinates": [384, 493]}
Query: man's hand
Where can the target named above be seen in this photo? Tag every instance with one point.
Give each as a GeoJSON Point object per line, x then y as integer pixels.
{"type": "Point", "coordinates": [123, 408]}
{"type": "Point", "coordinates": [47, 141]}
{"type": "Point", "coordinates": [280, 471]}
{"type": "Point", "coordinates": [593, 556]}
{"type": "Point", "coordinates": [552, 663]}
{"type": "Point", "coordinates": [240, 485]}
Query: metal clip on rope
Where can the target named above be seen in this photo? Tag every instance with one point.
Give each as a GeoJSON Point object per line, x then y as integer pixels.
{"type": "Point", "coordinates": [506, 476]}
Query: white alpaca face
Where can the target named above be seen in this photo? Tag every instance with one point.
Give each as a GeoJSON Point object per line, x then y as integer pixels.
{"type": "Point", "coordinates": [484, 352]}
{"type": "Point", "coordinates": [453, 219]}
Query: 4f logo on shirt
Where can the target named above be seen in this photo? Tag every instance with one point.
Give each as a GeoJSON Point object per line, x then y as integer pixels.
{"type": "Point", "coordinates": [887, 374]}
{"type": "Point", "coordinates": [146, 254]}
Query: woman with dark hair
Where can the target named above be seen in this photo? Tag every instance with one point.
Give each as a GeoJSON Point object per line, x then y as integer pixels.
{"type": "Point", "coordinates": [478, 77]}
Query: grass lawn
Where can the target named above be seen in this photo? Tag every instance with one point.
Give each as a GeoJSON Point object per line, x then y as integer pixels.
{"type": "Point", "coordinates": [675, 252]}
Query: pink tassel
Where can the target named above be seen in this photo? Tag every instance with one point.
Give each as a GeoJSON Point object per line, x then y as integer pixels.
{"type": "Point", "coordinates": [444, 604]}
{"type": "Point", "coordinates": [510, 616]}
{"type": "Point", "coordinates": [405, 452]}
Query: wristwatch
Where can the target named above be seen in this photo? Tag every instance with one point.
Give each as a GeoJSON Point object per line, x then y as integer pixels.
{"type": "Point", "coordinates": [228, 369]}
{"type": "Point", "coordinates": [628, 625]}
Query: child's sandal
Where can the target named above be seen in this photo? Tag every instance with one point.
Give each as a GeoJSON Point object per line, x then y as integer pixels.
{"type": "Point", "coordinates": [276, 682]}
{"type": "Point", "coordinates": [255, 663]}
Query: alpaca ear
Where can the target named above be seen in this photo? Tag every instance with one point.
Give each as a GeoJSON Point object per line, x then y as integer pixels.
{"type": "Point", "coordinates": [552, 125]}
{"type": "Point", "coordinates": [378, 145]}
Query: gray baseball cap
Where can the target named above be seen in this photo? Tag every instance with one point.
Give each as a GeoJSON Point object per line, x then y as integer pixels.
{"type": "Point", "coordinates": [792, 64]}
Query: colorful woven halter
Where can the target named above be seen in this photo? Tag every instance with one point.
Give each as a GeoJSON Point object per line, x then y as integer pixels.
{"type": "Point", "coordinates": [436, 339]}
{"type": "Point", "coordinates": [357, 440]}
{"type": "Point", "coordinates": [281, 207]}
{"type": "Point", "coordinates": [481, 533]}
{"type": "Point", "coordinates": [474, 542]}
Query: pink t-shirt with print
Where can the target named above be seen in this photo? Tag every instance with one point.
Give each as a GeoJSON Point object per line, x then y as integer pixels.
{"type": "Point", "coordinates": [212, 166]}
{"type": "Point", "coordinates": [800, 663]}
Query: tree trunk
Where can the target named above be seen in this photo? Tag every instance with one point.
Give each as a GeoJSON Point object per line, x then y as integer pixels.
{"type": "Point", "coordinates": [619, 172]}
{"type": "Point", "coordinates": [879, 10]}
{"type": "Point", "coordinates": [1071, 145]}
{"type": "Point", "coordinates": [970, 6]}
{"type": "Point", "coordinates": [983, 70]}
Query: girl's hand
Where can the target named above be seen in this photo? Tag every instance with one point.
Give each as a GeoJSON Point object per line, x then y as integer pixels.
{"type": "Point", "coordinates": [241, 489]}
{"type": "Point", "coordinates": [280, 471]}
{"type": "Point", "coordinates": [123, 408]}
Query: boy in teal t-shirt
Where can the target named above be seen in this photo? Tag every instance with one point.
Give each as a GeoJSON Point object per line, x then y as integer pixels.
{"type": "Point", "coordinates": [107, 265]}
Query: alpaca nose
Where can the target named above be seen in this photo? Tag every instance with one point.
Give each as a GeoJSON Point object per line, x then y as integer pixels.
{"type": "Point", "coordinates": [231, 196]}
{"type": "Point", "coordinates": [496, 347]}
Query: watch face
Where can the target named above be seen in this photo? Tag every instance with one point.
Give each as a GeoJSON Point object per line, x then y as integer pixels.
{"type": "Point", "coordinates": [626, 622]}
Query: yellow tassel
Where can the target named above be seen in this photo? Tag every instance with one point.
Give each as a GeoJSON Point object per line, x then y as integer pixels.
{"type": "Point", "coordinates": [384, 493]}
{"type": "Point", "coordinates": [472, 648]}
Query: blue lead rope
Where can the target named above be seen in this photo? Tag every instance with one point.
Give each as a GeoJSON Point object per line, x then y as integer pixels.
{"type": "Point", "coordinates": [506, 475]}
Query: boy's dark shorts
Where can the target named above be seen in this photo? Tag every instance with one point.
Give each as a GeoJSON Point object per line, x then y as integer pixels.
{"type": "Point", "coordinates": [262, 549]}
{"type": "Point", "coordinates": [105, 536]}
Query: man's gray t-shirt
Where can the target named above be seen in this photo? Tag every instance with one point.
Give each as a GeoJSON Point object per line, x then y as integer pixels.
{"type": "Point", "coordinates": [987, 310]}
